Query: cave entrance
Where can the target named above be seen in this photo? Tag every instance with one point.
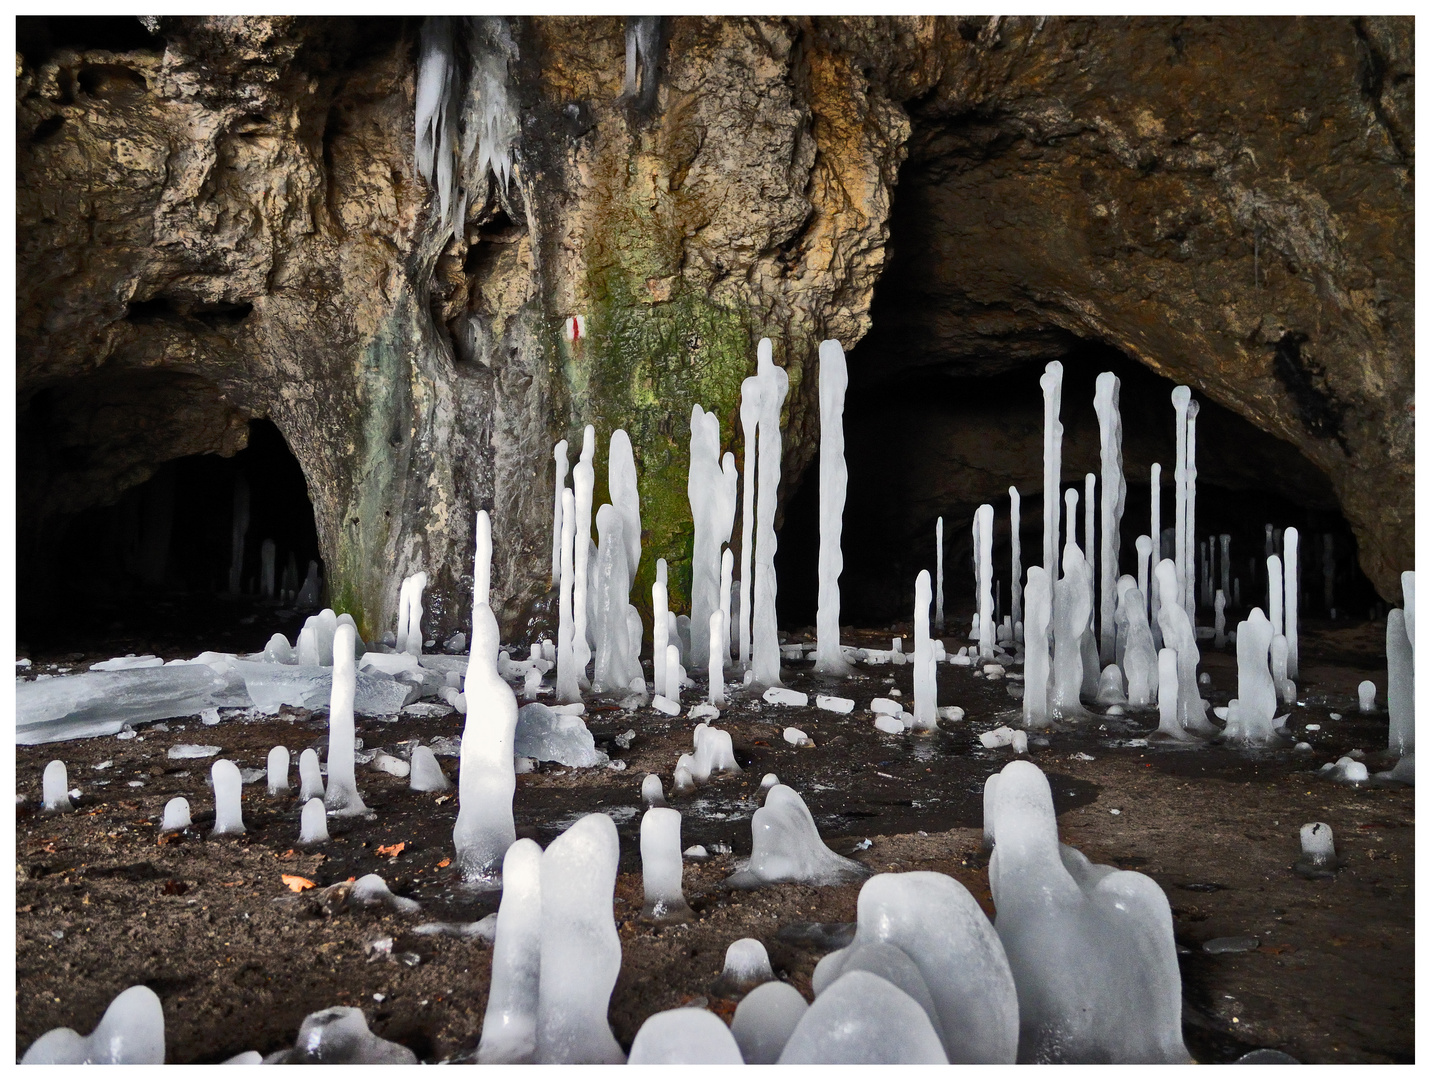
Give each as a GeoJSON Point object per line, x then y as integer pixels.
{"type": "Point", "coordinates": [178, 560]}
{"type": "Point", "coordinates": [924, 442]}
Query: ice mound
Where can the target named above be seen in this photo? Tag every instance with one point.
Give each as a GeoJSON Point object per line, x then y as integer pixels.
{"type": "Point", "coordinates": [764, 1021]}
{"type": "Point", "coordinates": [685, 1037]}
{"type": "Point", "coordinates": [509, 1027]}
{"type": "Point", "coordinates": [55, 787]}
{"type": "Point", "coordinates": [131, 1032]}
{"type": "Point", "coordinates": [277, 771]}
{"type": "Point", "coordinates": [1346, 770]}
{"type": "Point", "coordinates": [1318, 851]}
{"type": "Point", "coordinates": [1365, 696]}
{"type": "Point", "coordinates": [547, 735]}
{"type": "Point", "coordinates": [313, 827]}
{"type": "Point", "coordinates": [228, 798]}
{"type": "Point", "coordinates": [937, 926]}
{"type": "Point", "coordinates": [747, 964]}
{"type": "Point", "coordinates": [652, 794]}
{"type": "Point", "coordinates": [340, 1036]}
{"type": "Point", "coordinates": [714, 752]}
{"type": "Point", "coordinates": [862, 1019]}
{"type": "Point", "coordinates": [795, 737]}
{"type": "Point", "coordinates": [661, 867]}
{"type": "Point", "coordinates": [310, 775]}
{"type": "Point", "coordinates": [787, 847]}
{"type": "Point", "coordinates": [1090, 947]}
{"type": "Point", "coordinates": [888, 724]}
{"type": "Point", "coordinates": [176, 815]}
{"type": "Point", "coordinates": [426, 774]}
{"type": "Point", "coordinates": [382, 761]}
{"type": "Point", "coordinates": [580, 949]}
{"type": "Point", "coordinates": [370, 890]}
{"type": "Point", "coordinates": [102, 703]}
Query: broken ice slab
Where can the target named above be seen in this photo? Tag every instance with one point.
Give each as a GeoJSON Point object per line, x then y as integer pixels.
{"type": "Point", "coordinates": [191, 750]}
{"type": "Point", "coordinates": [1230, 944]}
{"type": "Point", "coordinates": [780, 695]}
{"type": "Point", "coordinates": [102, 703]}
{"type": "Point", "coordinates": [483, 928]}
{"type": "Point", "coordinates": [547, 735]}
{"type": "Point", "coordinates": [126, 663]}
{"type": "Point", "coordinates": [270, 686]}
{"type": "Point", "coordinates": [834, 704]}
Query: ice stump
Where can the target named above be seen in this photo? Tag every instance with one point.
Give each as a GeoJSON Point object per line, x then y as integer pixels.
{"type": "Point", "coordinates": [862, 1019]}
{"type": "Point", "coordinates": [55, 787]}
{"type": "Point", "coordinates": [176, 815]}
{"type": "Point", "coordinates": [661, 867]}
{"type": "Point", "coordinates": [342, 795]}
{"type": "Point", "coordinates": [787, 847]}
{"type": "Point", "coordinates": [310, 776]}
{"type": "Point", "coordinates": [131, 1032]}
{"type": "Point", "coordinates": [509, 1026]}
{"type": "Point", "coordinates": [426, 774]}
{"type": "Point", "coordinates": [685, 1037]}
{"type": "Point", "coordinates": [278, 770]}
{"type": "Point", "coordinates": [313, 827]}
{"type": "Point", "coordinates": [228, 798]}
{"type": "Point", "coordinates": [1318, 851]}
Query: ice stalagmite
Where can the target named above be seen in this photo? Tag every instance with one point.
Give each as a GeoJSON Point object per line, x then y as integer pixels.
{"type": "Point", "coordinates": [1052, 384]}
{"type": "Point", "coordinates": [625, 496]}
{"type": "Point", "coordinates": [313, 825]}
{"type": "Point", "coordinates": [1318, 849]}
{"type": "Point", "coordinates": [1365, 696]}
{"type": "Point", "coordinates": [1400, 683]}
{"type": "Point", "coordinates": [727, 583]}
{"type": "Point", "coordinates": [1114, 500]}
{"type": "Point", "coordinates": [1276, 592]}
{"type": "Point", "coordinates": [176, 815]}
{"type": "Point", "coordinates": [509, 1026]}
{"type": "Point", "coordinates": [278, 770]}
{"type": "Point", "coordinates": [1251, 715]}
{"type": "Point", "coordinates": [1189, 603]}
{"type": "Point", "coordinates": [716, 668]}
{"type": "Point", "coordinates": [1090, 947]}
{"type": "Point", "coordinates": [1144, 568]}
{"type": "Point", "coordinates": [660, 628]}
{"type": "Point", "coordinates": [583, 479]}
{"type": "Point", "coordinates": [562, 468]}
{"type": "Point", "coordinates": [984, 517]}
{"type": "Point", "coordinates": [615, 665]}
{"type": "Point", "coordinates": [131, 1032]}
{"type": "Point", "coordinates": [568, 683]}
{"type": "Point", "coordinates": [1181, 398]}
{"type": "Point", "coordinates": [765, 631]}
{"type": "Point", "coordinates": [55, 788]}
{"type": "Point", "coordinates": [580, 950]}
{"type": "Point", "coordinates": [661, 867]}
{"type": "Point", "coordinates": [925, 673]}
{"type": "Point", "coordinates": [833, 483]}
{"type": "Point", "coordinates": [1139, 655]}
{"type": "Point", "coordinates": [228, 798]}
{"type": "Point", "coordinates": [686, 1036]}
{"type": "Point", "coordinates": [426, 774]}
{"type": "Point", "coordinates": [310, 777]}
{"type": "Point", "coordinates": [1072, 608]}
{"type": "Point", "coordinates": [1151, 592]}
{"type": "Point", "coordinates": [1037, 650]}
{"type": "Point", "coordinates": [1090, 666]}
{"type": "Point", "coordinates": [342, 796]}
{"type": "Point", "coordinates": [786, 847]}
{"type": "Point", "coordinates": [1407, 590]}
{"type": "Point", "coordinates": [975, 547]}
{"type": "Point", "coordinates": [1285, 688]}
{"type": "Point", "coordinates": [764, 1021]}
{"type": "Point", "coordinates": [672, 673]}
{"type": "Point", "coordinates": [1219, 620]}
{"type": "Point", "coordinates": [752, 394]}
{"type": "Point", "coordinates": [1291, 549]}
{"type": "Point", "coordinates": [409, 614]}
{"type": "Point", "coordinates": [938, 573]}
{"type": "Point", "coordinates": [863, 1019]}
{"type": "Point", "coordinates": [1015, 508]}
{"type": "Point", "coordinates": [1178, 635]}
{"type": "Point", "coordinates": [702, 490]}
{"type": "Point", "coordinates": [486, 777]}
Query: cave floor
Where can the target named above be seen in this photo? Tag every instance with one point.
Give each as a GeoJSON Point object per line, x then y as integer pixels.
{"type": "Point", "coordinates": [103, 902]}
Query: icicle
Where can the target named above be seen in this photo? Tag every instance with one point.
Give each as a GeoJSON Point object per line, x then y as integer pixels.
{"type": "Point", "coordinates": [1291, 586]}
{"type": "Point", "coordinates": [584, 481]}
{"type": "Point", "coordinates": [562, 468]}
{"type": "Point", "coordinates": [436, 107]}
{"type": "Point", "coordinates": [833, 483]}
{"type": "Point", "coordinates": [752, 392]}
{"type": "Point", "coordinates": [986, 622]}
{"type": "Point", "coordinates": [766, 644]}
{"type": "Point", "coordinates": [568, 685]}
{"type": "Point", "coordinates": [925, 674]}
{"type": "Point", "coordinates": [1052, 384]}
{"type": "Point", "coordinates": [1015, 505]}
{"type": "Point", "coordinates": [642, 43]}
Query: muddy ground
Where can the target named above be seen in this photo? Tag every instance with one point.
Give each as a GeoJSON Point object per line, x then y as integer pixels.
{"type": "Point", "coordinates": [104, 902]}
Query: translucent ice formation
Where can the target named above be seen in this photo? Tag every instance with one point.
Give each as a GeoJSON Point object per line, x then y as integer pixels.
{"type": "Point", "coordinates": [938, 570]}
{"type": "Point", "coordinates": [176, 815]}
{"type": "Point", "coordinates": [131, 1032]}
{"type": "Point", "coordinates": [426, 774]}
{"type": "Point", "coordinates": [509, 1027]}
{"type": "Point", "coordinates": [714, 752]}
{"type": "Point", "coordinates": [1318, 847]}
{"type": "Point", "coordinates": [752, 392]}
{"type": "Point", "coordinates": [1015, 504]}
{"type": "Point", "coordinates": [1169, 724]}
{"type": "Point", "coordinates": [661, 867]}
{"type": "Point", "coordinates": [1072, 610]}
{"type": "Point", "coordinates": [342, 794]}
{"type": "Point", "coordinates": [370, 891]}
{"type": "Point", "coordinates": [1114, 500]}
{"type": "Point", "coordinates": [1052, 384]}
{"type": "Point", "coordinates": [1181, 398]}
{"type": "Point", "coordinates": [685, 1037]}
{"type": "Point", "coordinates": [1036, 650]}
{"type": "Point", "coordinates": [764, 1021]}
{"type": "Point", "coordinates": [486, 778]}
{"type": "Point", "coordinates": [310, 775]}
{"type": "Point", "coordinates": [278, 770]}
{"type": "Point", "coordinates": [1089, 554]}
{"type": "Point", "coordinates": [716, 668]}
{"type": "Point", "coordinates": [984, 518]}
{"type": "Point", "coordinates": [1365, 696]}
{"type": "Point", "coordinates": [580, 950]}
{"type": "Point", "coordinates": [706, 491]}
{"type": "Point", "coordinates": [1109, 687]}
{"type": "Point", "coordinates": [863, 1019]}
{"type": "Point", "coordinates": [1219, 638]}
{"type": "Point", "coordinates": [55, 787]}
{"type": "Point", "coordinates": [313, 827]}
{"type": "Point", "coordinates": [616, 662]}
{"type": "Point", "coordinates": [568, 683]}
{"type": "Point", "coordinates": [1178, 635]}
{"type": "Point", "coordinates": [1251, 715]}
{"type": "Point", "coordinates": [833, 484]}
{"type": "Point", "coordinates": [1400, 683]}
{"type": "Point", "coordinates": [583, 479]}
{"type": "Point", "coordinates": [652, 794]}
{"type": "Point", "coordinates": [409, 614]}
{"type": "Point", "coordinates": [1152, 591]}
{"type": "Point", "coordinates": [765, 631]}
{"type": "Point", "coordinates": [747, 963]}
{"type": "Point", "coordinates": [1275, 591]}
{"type": "Point", "coordinates": [787, 847]}
{"type": "Point", "coordinates": [340, 1036]}
{"type": "Point", "coordinates": [436, 99]}
{"type": "Point", "coordinates": [625, 496]}
{"type": "Point", "coordinates": [1291, 552]}
{"type": "Point", "coordinates": [925, 672]}
{"type": "Point", "coordinates": [727, 587]}
{"type": "Point", "coordinates": [1189, 598]}
{"type": "Point", "coordinates": [563, 466]}
{"type": "Point", "coordinates": [1139, 657]}
{"type": "Point", "coordinates": [1090, 947]}
{"type": "Point", "coordinates": [228, 798]}
{"type": "Point", "coordinates": [960, 970]}
{"type": "Point", "coordinates": [672, 674]}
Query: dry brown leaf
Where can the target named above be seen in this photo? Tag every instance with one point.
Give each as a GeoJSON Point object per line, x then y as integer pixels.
{"type": "Point", "coordinates": [392, 850]}
{"type": "Point", "coordinates": [298, 884]}
{"type": "Point", "coordinates": [444, 862]}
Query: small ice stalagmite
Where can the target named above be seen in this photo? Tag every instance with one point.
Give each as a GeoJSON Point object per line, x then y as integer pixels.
{"type": "Point", "coordinates": [625, 496]}
{"type": "Point", "coordinates": [278, 770]}
{"type": "Point", "coordinates": [1219, 640]}
{"type": "Point", "coordinates": [661, 867]}
{"type": "Point", "coordinates": [486, 777]}
{"type": "Point", "coordinates": [716, 669]}
{"type": "Point", "coordinates": [1114, 500]}
{"type": "Point", "coordinates": [686, 1036]}
{"type": "Point", "coordinates": [1139, 655]}
{"type": "Point", "coordinates": [1036, 649]}
{"type": "Point", "coordinates": [1110, 689]}
{"type": "Point", "coordinates": [1318, 848]}
{"type": "Point", "coordinates": [509, 1026]}
{"type": "Point", "coordinates": [1052, 384]}
{"type": "Point", "coordinates": [228, 798]}
{"type": "Point", "coordinates": [652, 794]}
{"type": "Point", "coordinates": [833, 484]}
{"type": "Point", "coordinates": [1177, 634]}
{"type": "Point", "coordinates": [672, 673]}
{"type": "Point", "coordinates": [764, 1021]}
{"type": "Point", "coordinates": [1399, 683]}
{"type": "Point", "coordinates": [55, 788]}
{"type": "Point", "coordinates": [568, 682]}
{"type": "Point", "coordinates": [752, 392]}
{"type": "Point", "coordinates": [426, 774]}
{"type": "Point", "coordinates": [765, 631]}
{"type": "Point", "coordinates": [580, 949]}
{"type": "Point", "coordinates": [985, 583]}
{"type": "Point", "coordinates": [938, 570]}
{"type": "Point", "coordinates": [660, 626]}
{"type": "Point", "coordinates": [747, 964]}
{"type": "Point", "coordinates": [342, 796]}
{"type": "Point", "coordinates": [563, 466]}
{"type": "Point", "coordinates": [925, 673]}
{"type": "Point", "coordinates": [1251, 715]}
{"type": "Point", "coordinates": [714, 752]}
{"type": "Point", "coordinates": [313, 828]}
{"type": "Point", "coordinates": [310, 776]}
{"type": "Point", "coordinates": [1285, 688]}
{"type": "Point", "coordinates": [1291, 611]}
{"type": "Point", "coordinates": [176, 815]}
{"type": "Point", "coordinates": [787, 847]}
{"type": "Point", "coordinates": [863, 1019]}
{"type": "Point", "coordinates": [1015, 507]}
{"type": "Point", "coordinates": [131, 1032]}
{"type": "Point", "coordinates": [1169, 726]}
{"type": "Point", "coordinates": [1090, 947]}
{"type": "Point", "coordinates": [1365, 696]}
{"type": "Point", "coordinates": [583, 481]}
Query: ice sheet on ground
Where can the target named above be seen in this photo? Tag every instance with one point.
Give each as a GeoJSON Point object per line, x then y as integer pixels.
{"type": "Point", "coordinates": [101, 703]}
{"type": "Point", "coordinates": [126, 663]}
{"type": "Point", "coordinates": [192, 750]}
{"type": "Point", "coordinates": [546, 735]}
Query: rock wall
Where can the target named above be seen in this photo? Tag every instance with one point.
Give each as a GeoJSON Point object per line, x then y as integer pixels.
{"type": "Point", "coordinates": [223, 220]}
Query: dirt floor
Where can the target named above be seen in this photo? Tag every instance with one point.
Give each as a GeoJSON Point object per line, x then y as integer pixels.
{"type": "Point", "coordinates": [103, 901]}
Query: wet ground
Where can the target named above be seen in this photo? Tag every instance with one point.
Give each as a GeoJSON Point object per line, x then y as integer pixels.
{"type": "Point", "coordinates": [104, 902]}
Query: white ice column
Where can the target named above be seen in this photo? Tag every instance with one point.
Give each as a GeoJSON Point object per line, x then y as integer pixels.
{"type": "Point", "coordinates": [583, 479]}
{"type": "Point", "coordinates": [1089, 536]}
{"type": "Point", "coordinates": [568, 686]}
{"type": "Point", "coordinates": [938, 572]}
{"type": "Point", "coordinates": [1107, 402]}
{"type": "Point", "coordinates": [411, 643]}
{"type": "Point", "coordinates": [509, 1026]}
{"type": "Point", "coordinates": [1190, 603]}
{"type": "Point", "coordinates": [1178, 634]}
{"type": "Point", "coordinates": [660, 627]}
{"type": "Point", "coordinates": [342, 796]}
{"type": "Point", "coordinates": [703, 489]}
{"type": "Point", "coordinates": [612, 629]}
{"type": "Point", "coordinates": [717, 659]}
{"type": "Point", "coordinates": [986, 628]}
{"type": "Point", "coordinates": [1275, 593]}
{"type": "Point", "coordinates": [1151, 592]}
{"type": "Point", "coordinates": [1400, 681]}
{"type": "Point", "coordinates": [833, 484]}
{"type": "Point", "coordinates": [1016, 592]}
{"type": "Point", "coordinates": [727, 581]}
{"type": "Point", "coordinates": [1052, 384]}
{"type": "Point", "coordinates": [1181, 397]}
{"type": "Point", "coordinates": [752, 392]}
{"type": "Point", "coordinates": [1291, 585]}
{"type": "Point", "coordinates": [625, 496]}
{"type": "Point", "coordinates": [977, 581]}
{"type": "Point", "coordinates": [766, 630]}
{"type": "Point", "coordinates": [925, 674]}
{"type": "Point", "coordinates": [672, 673]}
{"type": "Point", "coordinates": [1144, 564]}
{"type": "Point", "coordinates": [563, 466]}
{"type": "Point", "coordinates": [1036, 649]}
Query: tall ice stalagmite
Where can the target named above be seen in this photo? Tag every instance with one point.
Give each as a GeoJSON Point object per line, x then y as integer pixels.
{"type": "Point", "coordinates": [1052, 384]}
{"type": "Point", "coordinates": [1107, 402]}
{"type": "Point", "coordinates": [833, 483]}
{"type": "Point", "coordinates": [766, 661]}
{"type": "Point", "coordinates": [342, 796]}
{"type": "Point", "coordinates": [562, 468]}
{"type": "Point", "coordinates": [583, 479]}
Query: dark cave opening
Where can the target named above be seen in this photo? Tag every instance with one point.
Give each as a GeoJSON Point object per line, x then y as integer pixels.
{"type": "Point", "coordinates": [925, 442]}
{"type": "Point", "coordinates": [159, 562]}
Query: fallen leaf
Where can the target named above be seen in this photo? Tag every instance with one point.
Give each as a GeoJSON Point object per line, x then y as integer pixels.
{"type": "Point", "coordinates": [298, 884]}
{"type": "Point", "coordinates": [392, 850]}
{"type": "Point", "coordinates": [444, 862]}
